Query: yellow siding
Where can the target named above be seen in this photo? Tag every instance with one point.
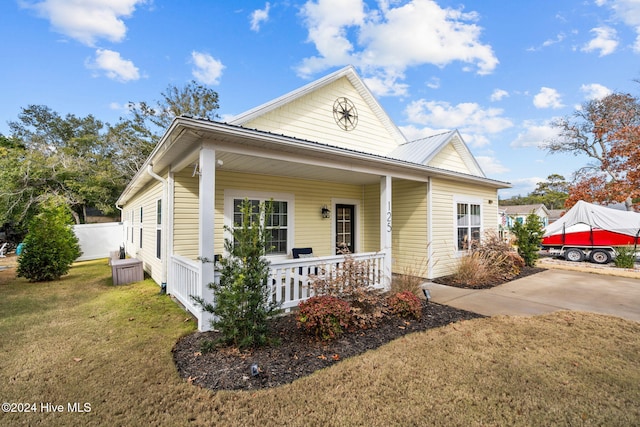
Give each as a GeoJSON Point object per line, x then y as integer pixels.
{"type": "Point", "coordinates": [146, 199]}
{"type": "Point", "coordinates": [186, 215]}
{"type": "Point", "coordinates": [444, 194]}
{"type": "Point", "coordinates": [449, 158]}
{"type": "Point", "coordinates": [409, 221]}
{"type": "Point", "coordinates": [311, 117]}
{"type": "Point", "coordinates": [311, 230]}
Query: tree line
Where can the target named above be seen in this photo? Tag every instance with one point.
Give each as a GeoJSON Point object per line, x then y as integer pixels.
{"type": "Point", "coordinates": [83, 162]}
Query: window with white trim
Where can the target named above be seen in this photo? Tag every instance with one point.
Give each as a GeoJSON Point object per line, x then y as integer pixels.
{"type": "Point", "coordinates": [468, 224]}
{"type": "Point", "coordinates": [140, 227]}
{"type": "Point", "coordinates": [276, 223]}
{"type": "Point", "coordinates": [280, 222]}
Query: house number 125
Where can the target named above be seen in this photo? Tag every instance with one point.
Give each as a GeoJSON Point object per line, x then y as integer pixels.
{"type": "Point", "coordinates": [389, 218]}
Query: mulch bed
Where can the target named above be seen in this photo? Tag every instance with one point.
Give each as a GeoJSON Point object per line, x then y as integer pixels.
{"type": "Point", "coordinates": [450, 280]}
{"type": "Point", "coordinates": [298, 354]}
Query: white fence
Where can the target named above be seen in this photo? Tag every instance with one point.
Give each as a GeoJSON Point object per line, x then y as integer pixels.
{"type": "Point", "coordinates": [99, 240]}
{"type": "Point", "coordinates": [289, 279]}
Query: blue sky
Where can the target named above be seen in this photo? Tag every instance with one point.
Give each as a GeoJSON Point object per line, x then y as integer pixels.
{"type": "Point", "coordinates": [498, 71]}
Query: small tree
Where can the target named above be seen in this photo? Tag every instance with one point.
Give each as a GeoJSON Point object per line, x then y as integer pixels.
{"type": "Point", "coordinates": [242, 305]}
{"type": "Point", "coordinates": [528, 238]}
{"type": "Point", "coordinates": [50, 246]}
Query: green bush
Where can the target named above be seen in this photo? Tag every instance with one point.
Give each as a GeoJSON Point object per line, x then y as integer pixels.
{"type": "Point", "coordinates": [50, 246]}
{"type": "Point", "coordinates": [625, 257]}
{"type": "Point", "coordinates": [406, 304]}
{"type": "Point", "coordinates": [528, 238]}
{"type": "Point", "coordinates": [324, 316]}
{"type": "Point", "coordinates": [242, 306]}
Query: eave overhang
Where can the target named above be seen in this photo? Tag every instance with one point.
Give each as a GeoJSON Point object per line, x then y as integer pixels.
{"type": "Point", "coordinates": [180, 145]}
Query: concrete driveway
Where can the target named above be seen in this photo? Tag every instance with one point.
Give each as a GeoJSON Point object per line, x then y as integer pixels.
{"type": "Point", "coordinates": [546, 292]}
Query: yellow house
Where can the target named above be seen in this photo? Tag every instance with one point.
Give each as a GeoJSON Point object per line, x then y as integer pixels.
{"type": "Point", "coordinates": [338, 170]}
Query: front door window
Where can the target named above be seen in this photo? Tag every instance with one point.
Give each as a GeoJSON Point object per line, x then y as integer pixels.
{"type": "Point", "coordinates": [345, 228]}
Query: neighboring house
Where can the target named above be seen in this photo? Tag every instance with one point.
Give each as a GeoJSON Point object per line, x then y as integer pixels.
{"type": "Point", "coordinates": [555, 214]}
{"type": "Point", "coordinates": [338, 171]}
{"type": "Point", "coordinates": [519, 213]}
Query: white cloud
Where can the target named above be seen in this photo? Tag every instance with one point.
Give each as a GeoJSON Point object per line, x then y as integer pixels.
{"type": "Point", "coordinates": [605, 41]}
{"type": "Point", "coordinates": [522, 186]}
{"type": "Point", "coordinates": [491, 165]}
{"type": "Point", "coordinates": [499, 94]}
{"type": "Point", "coordinates": [387, 84]}
{"type": "Point", "coordinates": [468, 117]}
{"type": "Point", "coordinates": [208, 70]}
{"type": "Point", "coordinates": [350, 32]}
{"type": "Point", "coordinates": [259, 16]}
{"type": "Point", "coordinates": [87, 21]}
{"type": "Point", "coordinates": [595, 91]}
{"type": "Point", "coordinates": [534, 134]}
{"type": "Point", "coordinates": [560, 37]}
{"type": "Point", "coordinates": [433, 83]}
{"type": "Point", "coordinates": [413, 133]}
{"type": "Point", "coordinates": [627, 11]}
{"type": "Point", "coordinates": [114, 66]}
{"type": "Point", "coordinates": [547, 98]}
{"type": "Point", "coordinates": [549, 42]}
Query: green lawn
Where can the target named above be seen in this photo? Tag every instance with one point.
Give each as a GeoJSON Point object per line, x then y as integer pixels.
{"type": "Point", "coordinates": [82, 341]}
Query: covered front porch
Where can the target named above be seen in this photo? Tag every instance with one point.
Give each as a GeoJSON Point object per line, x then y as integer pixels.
{"type": "Point", "coordinates": [324, 201]}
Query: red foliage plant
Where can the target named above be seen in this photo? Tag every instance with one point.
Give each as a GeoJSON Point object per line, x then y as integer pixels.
{"type": "Point", "coordinates": [324, 316]}
{"type": "Point", "coordinates": [405, 304]}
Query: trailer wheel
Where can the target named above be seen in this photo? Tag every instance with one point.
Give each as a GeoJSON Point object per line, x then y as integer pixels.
{"type": "Point", "coordinates": [574, 255]}
{"type": "Point", "coordinates": [600, 256]}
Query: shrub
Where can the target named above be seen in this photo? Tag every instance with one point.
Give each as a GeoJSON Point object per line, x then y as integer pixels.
{"type": "Point", "coordinates": [491, 261]}
{"type": "Point", "coordinates": [411, 279]}
{"type": "Point", "coordinates": [528, 238]}
{"type": "Point", "coordinates": [351, 283]}
{"type": "Point", "coordinates": [625, 257]}
{"type": "Point", "coordinates": [242, 305]}
{"type": "Point", "coordinates": [325, 317]}
{"type": "Point", "coordinates": [472, 270]}
{"type": "Point", "coordinates": [50, 246]}
{"type": "Point", "coordinates": [405, 304]}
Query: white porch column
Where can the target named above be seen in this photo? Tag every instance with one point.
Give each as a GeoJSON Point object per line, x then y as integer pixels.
{"type": "Point", "coordinates": [385, 227]}
{"type": "Point", "coordinates": [206, 227]}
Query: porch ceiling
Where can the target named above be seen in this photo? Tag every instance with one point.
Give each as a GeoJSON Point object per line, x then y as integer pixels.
{"type": "Point", "coordinates": [261, 166]}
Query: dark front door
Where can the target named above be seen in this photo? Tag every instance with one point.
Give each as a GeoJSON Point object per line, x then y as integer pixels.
{"type": "Point", "coordinates": [345, 227]}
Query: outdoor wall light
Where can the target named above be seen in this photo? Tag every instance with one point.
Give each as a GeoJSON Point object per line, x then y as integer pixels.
{"type": "Point", "coordinates": [326, 213]}
{"type": "Point", "coordinates": [427, 294]}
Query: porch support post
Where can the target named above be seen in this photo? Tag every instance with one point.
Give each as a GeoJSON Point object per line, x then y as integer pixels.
{"type": "Point", "coordinates": [206, 224]}
{"type": "Point", "coordinates": [385, 228]}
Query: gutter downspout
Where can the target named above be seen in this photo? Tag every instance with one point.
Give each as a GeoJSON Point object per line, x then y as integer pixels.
{"type": "Point", "coordinates": [429, 230]}
{"type": "Point", "coordinates": [124, 229]}
{"type": "Point", "coordinates": [163, 252]}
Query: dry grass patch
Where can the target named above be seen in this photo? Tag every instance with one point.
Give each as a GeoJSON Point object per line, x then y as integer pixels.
{"type": "Point", "coordinates": [81, 340]}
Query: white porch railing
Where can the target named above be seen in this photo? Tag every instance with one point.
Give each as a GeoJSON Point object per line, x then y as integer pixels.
{"type": "Point", "coordinates": [289, 279]}
{"type": "Point", "coordinates": [184, 281]}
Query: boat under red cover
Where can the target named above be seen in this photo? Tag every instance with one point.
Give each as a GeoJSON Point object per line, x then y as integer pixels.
{"type": "Point", "coordinates": [586, 225]}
